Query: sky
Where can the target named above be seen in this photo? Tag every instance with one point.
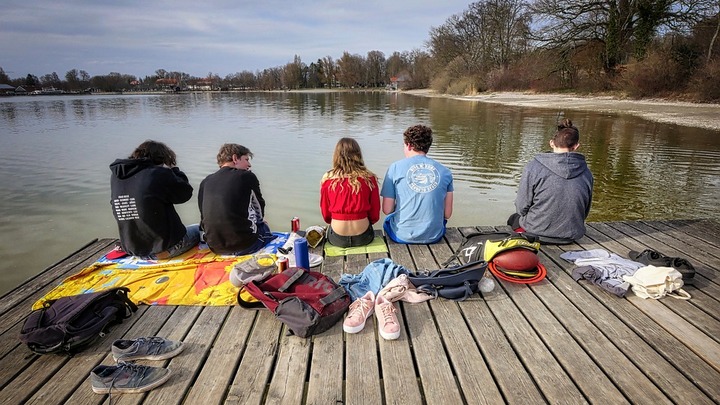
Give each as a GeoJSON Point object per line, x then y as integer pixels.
{"type": "Point", "coordinates": [138, 37]}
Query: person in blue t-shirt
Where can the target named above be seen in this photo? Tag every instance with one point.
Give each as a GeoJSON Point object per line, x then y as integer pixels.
{"type": "Point", "coordinates": [417, 192]}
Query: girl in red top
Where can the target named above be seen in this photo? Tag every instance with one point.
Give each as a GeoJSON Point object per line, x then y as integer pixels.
{"type": "Point", "coordinates": [349, 197]}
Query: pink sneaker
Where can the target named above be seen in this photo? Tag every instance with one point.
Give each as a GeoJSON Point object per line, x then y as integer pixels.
{"type": "Point", "coordinates": [359, 312]}
{"type": "Point", "coordinates": [387, 320]}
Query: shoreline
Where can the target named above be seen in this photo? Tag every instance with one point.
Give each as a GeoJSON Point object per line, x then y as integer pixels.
{"type": "Point", "coordinates": [706, 116]}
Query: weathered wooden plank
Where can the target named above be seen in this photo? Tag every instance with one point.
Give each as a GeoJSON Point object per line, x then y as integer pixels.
{"type": "Point", "coordinates": [50, 273]}
{"type": "Point", "coordinates": [186, 366]}
{"type": "Point", "coordinates": [400, 378]}
{"type": "Point", "coordinates": [586, 375]}
{"type": "Point", "coordinates": [515, 383]}
{"type": "Point", "coordinates": [691, 245]}
{"type": "Point", "coordinates": [436, 375]}
{"type": "Point", "coordinates": [696, 339]}
{"type": "Point", "coordinates": [17, 306]}
{"type": "Point", "coordinates": [11, 352]}
{"type": "Point", "coordinates": [706, 230]}
{"type": "Point", "coordinates": [668, 246]}
{"type": "Point", "coordinates": [362, 372]}
{"type": "Point", "coordinates": [544, 368]}
{"type": "Point", "coordinates": [75, 372]}
{"type": "Point", "coordinates": [471, 371]}
{"type": "Point", "coordinates": [42, 370]}
{"type": "Point", "coordinates": [665, 344]}
{"type": "Point", "coordinates": [631, 381]}
{"type": "Point", "coordinates": [325, 377]}
{"type": "Point", "coordinates": [577, 325]}
{"type": "Point", "coordinates": [599, 307]}
{"type": "Point", "coordinates": [215, 376]}
{"type": "Point", "coordinates": [288, 379]}
{"type": "Point", "coordinates": [603, 233]}
{"type": "Point", "coordinates": [253, 374]}
{"type": "Point", "coordinates": [705, 347]}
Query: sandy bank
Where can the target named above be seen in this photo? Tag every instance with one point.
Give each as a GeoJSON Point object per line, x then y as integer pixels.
{"type": "Point", "coordinates": [669, 112]}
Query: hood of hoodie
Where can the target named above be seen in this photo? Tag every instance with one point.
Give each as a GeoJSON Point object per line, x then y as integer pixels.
{"type": "Point", "coordinates": [125, 168]}
{"type": "Point", "coordinates": [567, 165]}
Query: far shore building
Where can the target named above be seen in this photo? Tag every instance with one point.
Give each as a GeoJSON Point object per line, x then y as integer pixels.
{"type": "Point", "coordinates": [7, 90]}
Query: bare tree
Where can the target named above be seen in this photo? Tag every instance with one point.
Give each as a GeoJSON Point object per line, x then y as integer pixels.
{"type": "Point", "coordinates": [351, 70]}
{"type": "Point", "coordinates": [375, 67]}
{"type": "Point", "coordinates": [292, 74]}
{"type": "Point", "coordinates": [624, 27]}
{"type": "Point", "coordinates": [329, 71]}
{"type": "Point", "coordinates": [489, 34]}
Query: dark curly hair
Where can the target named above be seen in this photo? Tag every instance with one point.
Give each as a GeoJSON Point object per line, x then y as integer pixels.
{"type": "Point", "coordinates": [157, 152]}
{"type": "Point", "coordinates": [419, 137]}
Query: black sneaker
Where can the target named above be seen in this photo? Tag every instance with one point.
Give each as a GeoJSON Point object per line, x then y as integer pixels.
{"type": "Point", "coordinates": [685, 268]}
{"type": "Point", "coordinates": [650, 257]}
{"type": "Point", "coordinates": [151, 348]}
{"type": "Point", "coordinates": [127, 378]}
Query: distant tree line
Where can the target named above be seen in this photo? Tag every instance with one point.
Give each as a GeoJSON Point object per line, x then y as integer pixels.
{"type": "Point", "coordinates": [639, 47]}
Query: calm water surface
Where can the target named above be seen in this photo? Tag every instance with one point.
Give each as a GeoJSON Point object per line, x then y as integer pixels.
{"type": "Point", "coordinates": [55, 152]}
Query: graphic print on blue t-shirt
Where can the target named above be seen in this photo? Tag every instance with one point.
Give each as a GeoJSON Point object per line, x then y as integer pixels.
{"type": "Point", "coordinates": [422, 178]}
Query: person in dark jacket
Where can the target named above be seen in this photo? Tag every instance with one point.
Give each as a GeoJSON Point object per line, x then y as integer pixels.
{"type": "Point", "coordinates": [144, 189]}
{"type": "Point", "coordinates": [232, 208]}
{"type": "Point", "coordinates": [555, 191]}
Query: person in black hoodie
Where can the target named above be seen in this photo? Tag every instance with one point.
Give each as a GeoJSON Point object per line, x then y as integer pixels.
{"type": "Point", "coordinates": [144, 189]}
{"type": "Point", "coordinates": [232, 208]}
{"type": "Point", "coordinates": [555, 191]}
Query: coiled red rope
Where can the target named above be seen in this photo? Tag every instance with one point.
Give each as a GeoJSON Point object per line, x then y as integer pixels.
{"type": "Point", "coordinates": [542, 272]}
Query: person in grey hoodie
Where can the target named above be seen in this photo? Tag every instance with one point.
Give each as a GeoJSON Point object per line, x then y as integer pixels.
{"type": "Point", "coordinates": [555, 191]}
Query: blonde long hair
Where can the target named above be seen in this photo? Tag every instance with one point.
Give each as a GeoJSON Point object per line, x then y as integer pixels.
{"type": "Point", "coordinates": [348, 164]}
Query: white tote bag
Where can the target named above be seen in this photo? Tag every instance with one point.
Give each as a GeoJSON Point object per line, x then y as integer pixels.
{"type": "Point", "coordinates": [657, 282]}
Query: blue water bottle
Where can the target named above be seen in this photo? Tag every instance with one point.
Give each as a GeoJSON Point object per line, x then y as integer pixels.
{"type": "Point", "coordinates": [302, 257]}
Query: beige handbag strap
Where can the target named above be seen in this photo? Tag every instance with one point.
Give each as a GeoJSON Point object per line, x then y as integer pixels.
{"type": "Point", "coordinates": [679, 294]}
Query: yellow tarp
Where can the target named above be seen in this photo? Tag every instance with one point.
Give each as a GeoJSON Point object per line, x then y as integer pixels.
{"type": "Point", "coordinates": [198, 277]}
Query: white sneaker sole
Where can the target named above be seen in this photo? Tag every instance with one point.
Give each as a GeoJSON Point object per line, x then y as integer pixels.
{"type": "Point", "coordinates": [389, 336]}
{"type": "Point", "coordinates": [135, 390]}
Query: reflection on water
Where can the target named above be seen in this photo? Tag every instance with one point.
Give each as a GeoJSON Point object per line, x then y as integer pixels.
{"type": "Point", "coordinates": [54, 176]}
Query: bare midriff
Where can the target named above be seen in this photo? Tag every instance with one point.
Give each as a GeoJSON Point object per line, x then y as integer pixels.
{"type": "Point", "coordinates": [350, 228]}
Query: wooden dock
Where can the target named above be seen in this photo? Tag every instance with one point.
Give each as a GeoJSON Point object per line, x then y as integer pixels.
{"type": "Point", "coordinates": [557, 341]}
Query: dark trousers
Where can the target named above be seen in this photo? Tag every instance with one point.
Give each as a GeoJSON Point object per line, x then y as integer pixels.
{"type": "Point", "coordinates": [350, 241]}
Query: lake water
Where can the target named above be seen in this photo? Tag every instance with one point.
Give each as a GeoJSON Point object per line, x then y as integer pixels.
{"type": "Point", "coordinates": [55, 152]}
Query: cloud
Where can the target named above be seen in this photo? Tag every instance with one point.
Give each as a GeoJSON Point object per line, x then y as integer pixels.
{"type": "Point", "coordinates": [139, 37]}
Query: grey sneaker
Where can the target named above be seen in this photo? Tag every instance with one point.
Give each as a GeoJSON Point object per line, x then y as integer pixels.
{"type": "Point", "coordinates": [127, 378]}
{"type": "Point", "coordinates": [151, 348]}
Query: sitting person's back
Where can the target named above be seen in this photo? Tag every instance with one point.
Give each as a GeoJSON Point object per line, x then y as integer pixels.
{"type": "Point", "coordinates": [349, 197]}
{"type": "Point", "coordinates": [144, 189]}
{"type": "Point", "coordinates": [417, 192]}
{"type": "Point", "coordinates": [231, 205]}
{"type": "Point", "coordinates": [555, 191]}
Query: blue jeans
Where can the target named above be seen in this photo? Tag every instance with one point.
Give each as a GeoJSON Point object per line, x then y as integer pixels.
{"type": "Point", "coordinates": [265, 236]}
{"type": "Point", "coordinates": [191, 239]}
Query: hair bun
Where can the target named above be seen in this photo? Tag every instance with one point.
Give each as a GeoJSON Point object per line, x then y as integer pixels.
{"type": "Point", "coordinates": [565, 123]}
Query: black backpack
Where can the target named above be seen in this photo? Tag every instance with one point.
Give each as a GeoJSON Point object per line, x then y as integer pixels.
{"type": "Point", "coordinates": [483, 246]}
{"type": "Point", "coordinates": [69, 324]}
{"type": "Point", "coordinates": [455, 283]}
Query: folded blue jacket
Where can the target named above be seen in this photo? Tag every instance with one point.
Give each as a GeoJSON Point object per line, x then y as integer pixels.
{"type": "Point", "coordinates": [374, 277]}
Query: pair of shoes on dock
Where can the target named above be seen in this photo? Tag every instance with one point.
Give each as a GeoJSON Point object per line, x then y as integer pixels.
{"type": "Point", "coordinates": [130, 378]}
{"type": "Point", "coordinates": [363, 307]}
{"type": "Point", "coordinates": [657, 259]}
